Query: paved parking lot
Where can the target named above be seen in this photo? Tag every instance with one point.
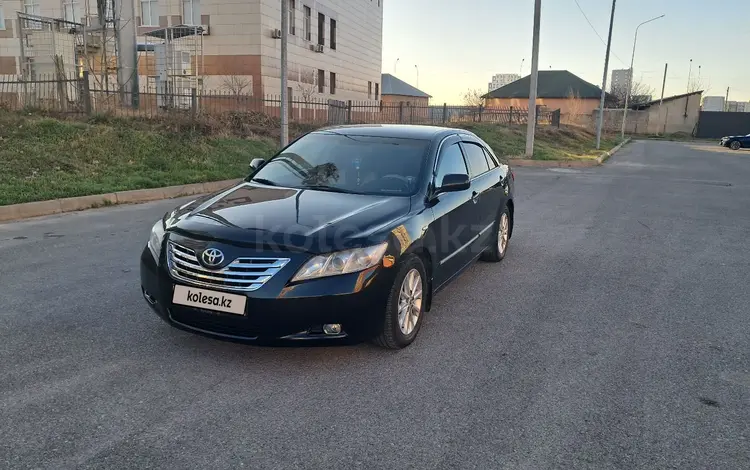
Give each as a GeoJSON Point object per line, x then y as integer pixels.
{"type": "Point", "coordinates": [616, 334]}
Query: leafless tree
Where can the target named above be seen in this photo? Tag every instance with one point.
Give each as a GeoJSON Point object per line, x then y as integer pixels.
{"type": "Point", "coordinates": [236, 85]}
{"type": "Point", "coordinates": [473, 97]}
{"type": "Point", "coordinates": [639, 92]}
{"type": "Point", "coordinates": [306, 85]}
{"type": "Point", "coordinates": [575, 107]}
{"type": "Point", "coordinates": [699, 84]}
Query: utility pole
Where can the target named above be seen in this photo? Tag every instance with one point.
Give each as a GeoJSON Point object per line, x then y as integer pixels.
{"type": "Point", "coordinates": [604, 80]}
{"type": "Point", "coordinates": [531, 124]}
{"type": "Point", "coordinates": [520, 69]}
{"type": "Point", "coordinates": [661, 100]}
{"type": "Point", "coordinates": [284, 67]}
{"type": "Point", "coordinates": [630, 77]}
{"type": "Point", "coordinates": [726, 101]}
{"type": "Point", "coordinates": [690, 71]}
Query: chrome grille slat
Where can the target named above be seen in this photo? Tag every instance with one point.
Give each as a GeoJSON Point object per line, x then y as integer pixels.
{"type": "Point", "coordinates": [242, 274]}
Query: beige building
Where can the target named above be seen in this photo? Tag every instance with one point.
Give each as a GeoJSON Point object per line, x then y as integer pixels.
{"type": "Point", "coordinates": [335, 46]}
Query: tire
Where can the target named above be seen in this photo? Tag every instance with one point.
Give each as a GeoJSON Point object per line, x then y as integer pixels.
{"type": "Point", "coordinates": [736, 145]}
{"type": "Point", "coordinates": [392, 335]}
{"type": "Point", "coordinates": [496, 251]}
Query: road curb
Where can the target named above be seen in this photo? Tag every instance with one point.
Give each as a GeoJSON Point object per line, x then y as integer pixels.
{"type": "Point", "coordinates": [526, 162]}
{"type": "Point", "coordinates": [520, 161]}
{"type": "Point", "coordinates": [605, 156]}
{"type": "Point", "coordinates": [72, 204]}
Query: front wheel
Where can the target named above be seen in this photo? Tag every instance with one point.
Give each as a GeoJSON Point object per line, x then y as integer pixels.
{"type": "Point", "coordinates": [736, 145]}
{"type": "Point", "coordinates": [405, 308]}
{"type": "Point", "coordinates": [499, 245]}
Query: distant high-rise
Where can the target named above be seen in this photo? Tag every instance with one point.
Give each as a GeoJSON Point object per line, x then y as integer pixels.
{"type": "Point", "coordinates": [502, 79]}
{"type": "Point", "coordinates": [620, 79]}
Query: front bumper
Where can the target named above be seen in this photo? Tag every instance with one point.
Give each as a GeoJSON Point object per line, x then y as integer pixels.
{"type": "Point", "coordinates": [277, 310]}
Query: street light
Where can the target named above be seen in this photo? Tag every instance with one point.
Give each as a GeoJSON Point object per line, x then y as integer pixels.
{"type": "Point", "coordinates": [395, 64]}
{"type": "Point", "coordinates": [415, 66]}
{"type": "Point", "coordinates": [630, 75]}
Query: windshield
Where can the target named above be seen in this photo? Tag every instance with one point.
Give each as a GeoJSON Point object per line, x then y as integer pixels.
{"type": "Point", "coordinates": [349, 164]}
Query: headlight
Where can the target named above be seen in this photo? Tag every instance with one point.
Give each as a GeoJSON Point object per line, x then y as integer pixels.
{"type": "Point", "coordinates": [341, 262]}
{"type": "Point", "coordinates": [155, 239]}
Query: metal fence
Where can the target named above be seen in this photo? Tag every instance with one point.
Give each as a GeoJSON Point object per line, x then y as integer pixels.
{"type": "Point", "coordinates": [78, 95]}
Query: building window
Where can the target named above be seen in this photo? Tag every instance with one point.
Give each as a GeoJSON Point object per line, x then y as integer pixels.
{"type": "Point", "coordinates": [333, 34]}
{"type": "Point", "coordinates": [321, 81]}
{"type": "Point", "coordinates": [321, 29]}
{"type": "Point", "coordinates": [292, 17]}
{"type": "Point", "coordinates": [308, 23]}
{"type": "Point", "coordinates": [72, 11]}
{"type": "Point", "coordinates": [150, 12]}
{"type": "Point", "coordinates": [191, 12]}
{"type": "Point", "coordinates": [2, 16]}
{"type": "Point", "coordinates": [377, 91]}
{"type": "Point", "coordinates": [31, 7]}
{"type": "Point", "coordinates": [109, 10]}
{"type": "Point", "coordinates": [369, 90]}
{"type": "Point", "coordinates": [333, 83]}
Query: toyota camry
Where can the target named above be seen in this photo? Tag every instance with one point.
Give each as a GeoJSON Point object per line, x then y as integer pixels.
{"type": "Point", "coordinates": [347, 232]}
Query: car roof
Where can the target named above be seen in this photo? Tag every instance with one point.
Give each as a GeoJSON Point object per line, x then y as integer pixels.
{"type": "Point", "coordinates": [403, 131]}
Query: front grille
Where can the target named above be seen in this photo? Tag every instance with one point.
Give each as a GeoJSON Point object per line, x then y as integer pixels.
{"type": "Point", "coordinates": [242, 274]}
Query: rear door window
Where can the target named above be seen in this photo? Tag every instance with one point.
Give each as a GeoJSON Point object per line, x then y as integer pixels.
{"type": "Point", "coordinates": [477, 159]}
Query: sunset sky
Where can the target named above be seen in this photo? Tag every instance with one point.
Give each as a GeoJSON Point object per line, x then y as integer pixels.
{"type": "Point", "coordinates": [459, 45]}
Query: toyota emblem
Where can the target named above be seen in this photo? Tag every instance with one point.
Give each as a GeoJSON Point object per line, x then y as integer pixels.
{"type": "Point", "coordinates": [212, 257]}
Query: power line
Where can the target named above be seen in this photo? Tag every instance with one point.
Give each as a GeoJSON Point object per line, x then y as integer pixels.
{"type": "Point", "coordinates": [596, 32]}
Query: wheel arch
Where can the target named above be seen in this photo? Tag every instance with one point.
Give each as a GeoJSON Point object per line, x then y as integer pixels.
{"type": "Point", "coordinates": [511, 210]}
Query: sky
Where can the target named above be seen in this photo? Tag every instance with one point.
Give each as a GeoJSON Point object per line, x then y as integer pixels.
{"type": "Point", "coordinates": [457, 45]}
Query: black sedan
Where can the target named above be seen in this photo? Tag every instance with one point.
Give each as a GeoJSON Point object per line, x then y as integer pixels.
{"type": "Point", "coordinates": [346, 232]}
{"type": "Point", "coordinates": [735, 142]}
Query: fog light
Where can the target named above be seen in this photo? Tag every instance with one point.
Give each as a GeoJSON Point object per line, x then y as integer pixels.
{"type": "Point", "coordinates": [332, 329]}
{"type": "Point", "coordinates": [149, 298]}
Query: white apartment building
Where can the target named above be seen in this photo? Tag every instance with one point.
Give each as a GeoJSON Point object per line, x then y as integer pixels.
{"type": "Point", "coordinates": [502, 79]}
{"type": "Point", "coordinates": [620, 79]}
{"type": "Point", "coordinates": [738, 107]}
{"type": "Point", "coordinates": [335, 46]}
{"type": "Point", "coordinates": [713, 103]}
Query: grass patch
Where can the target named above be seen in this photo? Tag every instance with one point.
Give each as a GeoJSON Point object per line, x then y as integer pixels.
{"type": "Point", "coordinates": [44, 158]}
{"type": "Point", "coordinates": [48, 157]}
{"type": "Point", "coordinates": [550, 143]}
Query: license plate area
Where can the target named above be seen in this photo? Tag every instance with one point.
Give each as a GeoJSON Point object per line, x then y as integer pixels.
{"type": "Point", "coordinates": [206, 299]}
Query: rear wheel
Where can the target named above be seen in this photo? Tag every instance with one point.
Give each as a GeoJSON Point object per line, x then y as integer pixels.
{"type": "Point", "coordinates": [499, 244]}
{"type": "Point", "coordinates": [406, 305]}
{"type": "Point", "coordinates": [736, 145]}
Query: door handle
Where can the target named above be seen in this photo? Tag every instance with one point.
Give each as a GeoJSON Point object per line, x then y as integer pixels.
{"type": "Point", "coordinates": [474, 196]}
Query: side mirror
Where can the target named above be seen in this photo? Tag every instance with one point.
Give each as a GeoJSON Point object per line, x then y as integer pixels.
{"type": "Point", "coordinates": [256, 163]}
{"type": "Point", "coordinates": [454, 182]}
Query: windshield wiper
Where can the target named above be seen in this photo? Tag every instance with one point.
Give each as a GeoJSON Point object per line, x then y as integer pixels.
{"type": "Point", "coordinates": [264, 181]}
{"type": "Point", "coordinates": [326, 187]}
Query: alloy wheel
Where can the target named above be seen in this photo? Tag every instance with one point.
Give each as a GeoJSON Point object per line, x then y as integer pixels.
{"type": "Point", "coordinates": [502, 233]}
{"type": "Point", "coordinates": [410, 301]}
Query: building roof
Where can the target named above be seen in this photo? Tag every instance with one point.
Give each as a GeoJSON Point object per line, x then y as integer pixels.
{"type": "Point", "coordinates": [669, 98]}
{"type": "Point", "coordinates": [551, 84]}
{"type": "Point", "coordinates": [391, 85]}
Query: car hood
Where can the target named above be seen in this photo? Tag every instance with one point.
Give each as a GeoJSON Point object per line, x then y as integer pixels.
{"type": "Point", "coordinates": [269, 217]}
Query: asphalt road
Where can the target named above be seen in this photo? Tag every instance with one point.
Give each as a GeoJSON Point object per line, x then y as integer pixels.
{"type": "Point", "coordinates": [616, 334]}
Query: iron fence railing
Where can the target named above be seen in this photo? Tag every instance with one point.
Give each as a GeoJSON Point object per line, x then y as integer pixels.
{"type": "Point", "coordinates": [79, 95]}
